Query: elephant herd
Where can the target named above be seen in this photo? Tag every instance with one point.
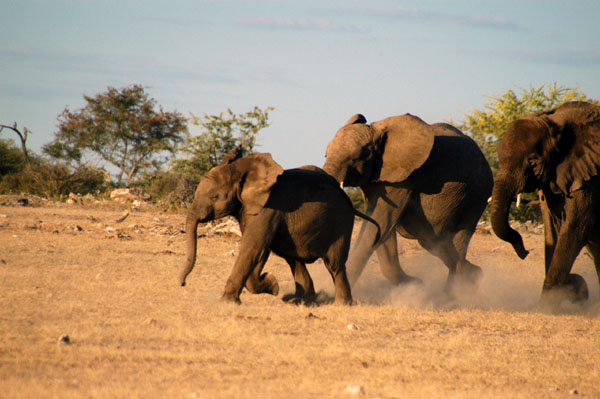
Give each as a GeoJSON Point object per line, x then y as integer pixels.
{"type": "Point", "coordinates": [425, 182]}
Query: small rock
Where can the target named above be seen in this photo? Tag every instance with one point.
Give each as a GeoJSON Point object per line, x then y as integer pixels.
{"type": "Point", "coordinates": [352, 326]}
{"type": "Point", "coordinates": [355, 389]}
{"type": "Point", "coordinates": [64, 339]}
{"type": "Point", "coordinates": [574, 391]}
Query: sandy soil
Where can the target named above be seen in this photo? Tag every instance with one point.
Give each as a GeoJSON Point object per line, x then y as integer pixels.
{"type": "Point", "coordinates": [89, 307]}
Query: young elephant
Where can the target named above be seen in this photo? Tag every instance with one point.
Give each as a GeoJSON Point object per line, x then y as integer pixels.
{"type": "Point", "coordinates": [299, 214]}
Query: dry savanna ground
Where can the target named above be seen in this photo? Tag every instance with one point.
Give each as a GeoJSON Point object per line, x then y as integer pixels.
{"type": "Point", "coordinates": [73, 271]}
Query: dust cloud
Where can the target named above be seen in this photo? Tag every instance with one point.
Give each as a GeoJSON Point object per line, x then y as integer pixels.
{"type": "Point", "coordinates": [506, 285]}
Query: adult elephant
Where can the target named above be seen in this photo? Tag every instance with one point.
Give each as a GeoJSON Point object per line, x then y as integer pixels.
{"type": "Point", "coordinates": [556, 152]}
{"type": "Point", "coordinates": [427, 182]}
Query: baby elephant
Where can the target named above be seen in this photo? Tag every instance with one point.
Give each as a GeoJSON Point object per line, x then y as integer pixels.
{"type": "Point", "coordinates": [299, 214]}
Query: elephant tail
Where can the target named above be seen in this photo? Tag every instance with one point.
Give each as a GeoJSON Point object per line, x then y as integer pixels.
{"type": "Point", "coordinates": [190, 232]}
{"type": "Point", "coordinates": [368, 218]}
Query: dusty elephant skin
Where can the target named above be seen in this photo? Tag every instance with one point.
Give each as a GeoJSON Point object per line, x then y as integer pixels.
{"type": "Point", "coordinates": [556, 153]}
{"type": "Point", "coordinates": [427, 182]}
{"type": "Point", "coordinates": [299, 214]}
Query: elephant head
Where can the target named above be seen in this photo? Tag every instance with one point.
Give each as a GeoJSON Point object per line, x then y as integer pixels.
{"type": "Point", "coordinates": [387, 151]}
{"type": "Point", "coordinates": [555, 150]}
{"type": "Point", "coordinates": [241, 186]}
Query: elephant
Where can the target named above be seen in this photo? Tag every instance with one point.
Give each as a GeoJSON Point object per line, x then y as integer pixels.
{"type": "Point", "coordinates": [426, 182]}
{"type": "Point", "coordinates": [557, 154]}
{"type": "Point", "coordinates": [299, 214]}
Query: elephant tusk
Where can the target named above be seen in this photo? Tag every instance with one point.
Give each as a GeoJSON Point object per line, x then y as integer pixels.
{"type": "Point", "coordinates": [489, 200]}
{"type": "Point", "coordinates": [518, 204]}
{"type": "Point", "coordinates": [342, 185]}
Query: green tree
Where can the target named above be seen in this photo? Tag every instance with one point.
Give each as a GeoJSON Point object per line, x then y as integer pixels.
{"type": "Point", "coordinates": [487, 126]}
{"type": "Point", "coordinates": [219, 134]}
{"type": "Point", "coordinates": [122, 128]}
{"type": "Point", "coordinates": [11, 159]}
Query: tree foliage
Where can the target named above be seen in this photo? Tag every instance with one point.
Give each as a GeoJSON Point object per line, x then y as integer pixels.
{"type": "Point", "coordinates": [219, 134]}
{"type": "Point", "coordinates": [11, 159]}
{"type": "Point", "coordinates": [121, 127]}
{"type": "Point", "coordinates": [487, 126]}
{"type": "Point", "coordinates": [22, 136]}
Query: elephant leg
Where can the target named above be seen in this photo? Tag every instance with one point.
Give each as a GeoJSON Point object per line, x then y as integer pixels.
{"type": "Point", "coordinates": [387, 253]}
{"type": "Point", "coordinates": [335, 262]}
{"type": "Point", "coordinates": [549, 231]}
{"type": "Point", "coordinates": [264, 283]}
{"type": "Point", "coordinates": [254, 252]}
{"type": "Point", "coordinates": [386, 212]}
{"type": "Point", "coordinates": [594, 249]}
{"type": "Point", "coordinates": [305, 290]}
{"type": "Point", "coordinates": [573, 235]}
{"type": "Point", "coordinates": [343, 295]}
{"type": "Point", "coordinates": [465, 270]}
{"type": "Point", "coordinates": [447, 253]}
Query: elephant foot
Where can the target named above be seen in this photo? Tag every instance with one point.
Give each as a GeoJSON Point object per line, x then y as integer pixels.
{"type": "Point", "coordinates": [230, 299]}
{"type": "Point", "coordinates": [465, 281]}
{"type": "Point", "coordinates": [267, 284]}
{"type": "Point", "coordinates": [470, 273]}
{"type": "Point", "coordinates": [270, 283]}
{"type": "Point", "coordinates": [343, 301]}
{"type": "Point", "coordinates": [574, 291]}
{"type": "Point", "coordinates": [406, 279]}
{"type": "Point", "coordinates": [295, 299]}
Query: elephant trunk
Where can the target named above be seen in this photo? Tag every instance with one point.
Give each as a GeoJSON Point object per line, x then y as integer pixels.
{"type": "Point", "coordinates": [190, 232]}
{"type": "Point", "coordinates": [504, 191]}
{"type": "Point", "coordinates": [332, 169]}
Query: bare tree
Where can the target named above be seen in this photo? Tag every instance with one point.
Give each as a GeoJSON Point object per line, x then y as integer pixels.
{"type": "Point", "coordinates": [22, 136]}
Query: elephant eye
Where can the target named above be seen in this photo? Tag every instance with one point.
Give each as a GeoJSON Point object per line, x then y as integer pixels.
{"type": "Point", "coordinates": [214, 197]}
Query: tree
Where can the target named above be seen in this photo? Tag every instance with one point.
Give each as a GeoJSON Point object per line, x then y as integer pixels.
{"type": "Point", "coordinates": [487, 126]}
{"type": "Point", "coordinates": [22, 136]}
{"type": "Point", "coordinates": [11, 159]}
{"type": "Point", "coordinates": [219, 134]}
{"type": "Point", "coordinates": [122, 127]}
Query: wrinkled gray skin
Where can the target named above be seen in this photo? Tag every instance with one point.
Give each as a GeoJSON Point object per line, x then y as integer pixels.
{"type": "Point", "coordinates": [426, 182]}
{"type": "Point", "coordinates": [556, 153]}
{"type": "Point", "coordinates": [299, 214]}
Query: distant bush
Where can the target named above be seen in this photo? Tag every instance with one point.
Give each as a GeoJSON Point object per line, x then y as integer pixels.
{"type": "Point", "coordinates": [170, 190]}
{"type": "Point", "coordinates": [11, 158]}
{"type": "Point", "coordinates": [54, 180]}
{"type": "Point", "coordinates": [356, 196]}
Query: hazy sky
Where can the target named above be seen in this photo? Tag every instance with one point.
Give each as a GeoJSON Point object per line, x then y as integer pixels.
{"type": "Point", "coordinates": [316, 62]}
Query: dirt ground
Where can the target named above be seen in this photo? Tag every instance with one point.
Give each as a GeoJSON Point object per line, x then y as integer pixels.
{"type": "Point", "coordinates": [90, 308]}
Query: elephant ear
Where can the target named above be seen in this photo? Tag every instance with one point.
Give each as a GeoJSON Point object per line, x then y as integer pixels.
{"type": "Point", "coordinates": [358, 118]}
{"type": "Point", "coordinates": [259, 175]}
{"type": "Point", "coordinates": [582, 162]}
{"type": "Point", "coordinates": [407, 144]}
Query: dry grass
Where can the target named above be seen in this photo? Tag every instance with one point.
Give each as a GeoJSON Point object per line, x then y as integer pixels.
{"type": "Point", "coordinates": [135, 333]}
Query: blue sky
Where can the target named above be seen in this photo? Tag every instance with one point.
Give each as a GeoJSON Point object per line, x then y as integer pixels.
{"type": "Point", "coordinates": [316, 62]}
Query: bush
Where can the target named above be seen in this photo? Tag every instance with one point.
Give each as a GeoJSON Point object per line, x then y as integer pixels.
{"type": "Point", "coordinates": [11, 158]}
{"type": "Point", "coordinates": [356, 196]}
{"type": "Point", "coordinates": [170, 190]}
{"type": "Point", "coordinates": [55, 180]}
